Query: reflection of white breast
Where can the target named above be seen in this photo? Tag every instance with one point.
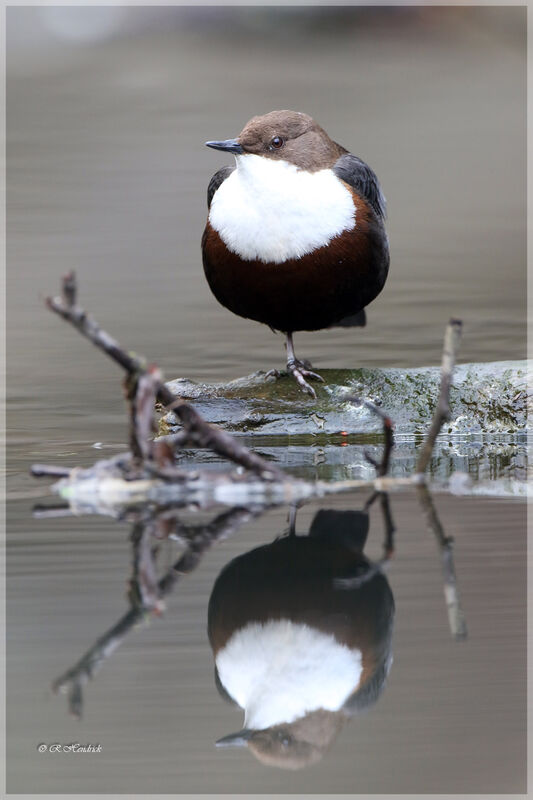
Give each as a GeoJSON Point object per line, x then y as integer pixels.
{"type": "Point", "coordinates": [272, 211]}
{"type": "Point", "coordinates": [280, 670]}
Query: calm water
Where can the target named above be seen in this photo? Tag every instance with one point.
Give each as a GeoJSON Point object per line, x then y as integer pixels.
{"type": "Point", "coordinates": [107, 174]}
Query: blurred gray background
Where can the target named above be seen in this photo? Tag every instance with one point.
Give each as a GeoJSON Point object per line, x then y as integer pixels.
{"type": "Point", "coordinates": [107, 113]}
{"type": "Point", "coordinates": [108, 109]}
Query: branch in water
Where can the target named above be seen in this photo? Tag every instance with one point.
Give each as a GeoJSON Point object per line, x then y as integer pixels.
{"type": "Point", "coordinates": [452, 337]}
{"type": "Point", "coordinates": [156, 458]}
{"type": "Point", "coordinates": [200, 433]}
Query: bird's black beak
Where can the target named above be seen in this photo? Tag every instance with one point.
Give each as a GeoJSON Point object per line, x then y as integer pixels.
{"type": "Point", "coordinates": [229, 145]}
{"type": "Point", "coordinates": [239, 739]}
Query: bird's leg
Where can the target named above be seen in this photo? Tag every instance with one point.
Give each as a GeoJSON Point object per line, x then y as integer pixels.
{"type": "Point", "coordinates": [300, 369]}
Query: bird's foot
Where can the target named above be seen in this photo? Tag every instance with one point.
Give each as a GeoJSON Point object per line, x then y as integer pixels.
{"type": "Point", "coordinates": [283, 373]}
{"type": "Point", "coordinates": [299, 370]}
{"type": "Point", "coordinates": [301, 363]}
{"type": "Point", "coordinates": [276, 373]}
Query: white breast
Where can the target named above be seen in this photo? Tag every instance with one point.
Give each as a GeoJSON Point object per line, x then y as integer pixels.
{"type": "Point", "coordinates": [272, 211]}
{"type": "Point", "coordinates": [279, 671]}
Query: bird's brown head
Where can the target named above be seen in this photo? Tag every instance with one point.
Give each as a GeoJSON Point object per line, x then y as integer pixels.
{"type": "Point", "coordinates": [288, 136]}
{"type": "Point", "coordinates": [290, 746]}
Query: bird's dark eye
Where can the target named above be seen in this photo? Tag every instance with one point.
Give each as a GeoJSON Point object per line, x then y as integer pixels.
{"type": "Point", "coordinates": [276, 142]}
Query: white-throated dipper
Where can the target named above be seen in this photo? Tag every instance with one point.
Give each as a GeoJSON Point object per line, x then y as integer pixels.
{"type": "Point", "coordinates": [301, 631]}
{"type": "Point", "coordinates": [295, 235]}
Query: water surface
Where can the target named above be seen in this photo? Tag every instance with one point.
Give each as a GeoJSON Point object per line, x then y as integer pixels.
{"type": "Point", "coordinates": [106, 173]}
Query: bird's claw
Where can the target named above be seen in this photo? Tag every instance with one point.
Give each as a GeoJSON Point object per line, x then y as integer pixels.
{"type": "Point", "coordinates": [300, 373]}
{"type": "Point", "coordinates": [274, 373]}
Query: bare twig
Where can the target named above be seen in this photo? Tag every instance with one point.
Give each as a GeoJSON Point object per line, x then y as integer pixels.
{"type": "Point", "coordinates": [177, 440]}
{"type": "Point", "coordinates": [69, 288]}
{"type": "Point", "coordinates": [157, 458]}
{"type": "Point", "coordinates": [201, 433]}
{"type": "Point", "coordinates": [140, 390]}
{"type": "Point", "coordinates": [452, 338]}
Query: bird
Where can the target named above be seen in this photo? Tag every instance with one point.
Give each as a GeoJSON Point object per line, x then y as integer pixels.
{"type": "Point", "coordinates": [295, 235]}
{"type": "Point", "coordinates": [301, 632]}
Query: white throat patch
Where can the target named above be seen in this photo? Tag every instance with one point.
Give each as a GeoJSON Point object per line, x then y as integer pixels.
{"type": "Point", "coordinates": [279, 671]}
{"type": "Point", "coordinates": [272, 211]}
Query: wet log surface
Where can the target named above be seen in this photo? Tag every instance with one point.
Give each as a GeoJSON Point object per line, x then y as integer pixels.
{"type": "Point", "coordinates": [487, 398]}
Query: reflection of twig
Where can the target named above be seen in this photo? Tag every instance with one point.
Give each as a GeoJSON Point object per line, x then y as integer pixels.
{"type": "Point", "coordinates": [456, 617]}
{"type": "Point", "coordinates": [201, 537]}
{"type": "Point", "coordinates": [73, 680]}
{"type": "Point", "coordinates": [146, 593]}
{"type": "Point", "coordinates": [390, 528]}
{"type": "Point", "coordinates": [375, 567]}
{"type": "Point", "coordinates": [144, 589]}
{"type": "Point", "coordinates": [49, 471]}
{"type": "Point", "coordinates": [452, 337]}
{"type": "Point", "coordinates": [451, 593]}
{"type": "Point", "coordinates": [42, 511]}
{"type": "Point", "coordinates": [291, 521]}
{"type": "Point", "coordinates": [381, 467]}
{"type": "Point", "coordinates": [388, 522]}
{"type": "Point", "coordinates": [199, 432]}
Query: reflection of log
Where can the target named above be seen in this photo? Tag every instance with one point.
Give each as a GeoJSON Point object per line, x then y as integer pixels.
{"type": "Point", "coordinates": [146, 592]}
{"type": "Point", "coordinates": [200, 433]}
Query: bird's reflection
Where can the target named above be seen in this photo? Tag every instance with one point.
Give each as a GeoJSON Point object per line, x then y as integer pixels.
{"type": "Point", "coordinates": [301, 633]}
{"type": "Point", "coordinates": [300, 628]}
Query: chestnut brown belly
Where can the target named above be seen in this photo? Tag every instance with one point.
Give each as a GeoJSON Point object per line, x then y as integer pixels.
{"type": "Point", "coordinates": [308, 293]}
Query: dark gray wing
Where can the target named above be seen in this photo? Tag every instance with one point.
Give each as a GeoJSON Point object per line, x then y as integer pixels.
{"type": "Point", "coordinates": [360, 177]}
{"type": "Point", "coordinates": [364, 698]}
{"type": "Point", "coordinates": [353, 321]}
{"type": "Point", "coordinates": [218, 178]}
